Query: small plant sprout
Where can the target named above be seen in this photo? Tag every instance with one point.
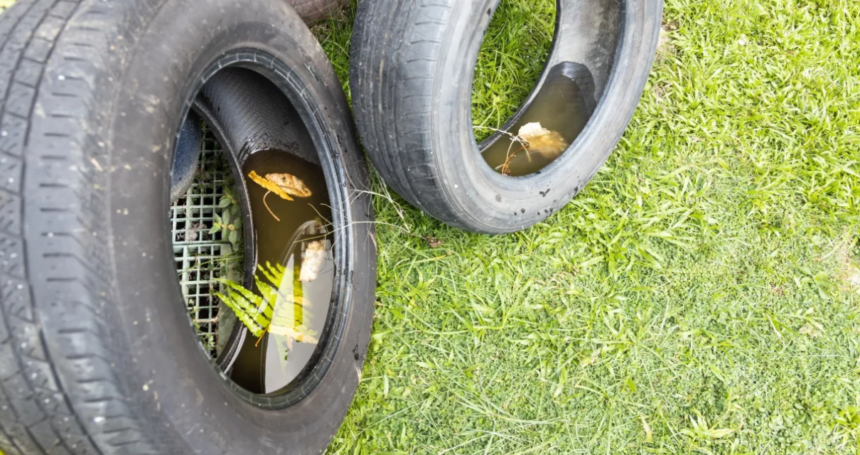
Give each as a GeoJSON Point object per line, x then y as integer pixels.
{"type": "Point", "coordinates": [231, 224]}
{"type": "Point", "coordinates": [230, 220]}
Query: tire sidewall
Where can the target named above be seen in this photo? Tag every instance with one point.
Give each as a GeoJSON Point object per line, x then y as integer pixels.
{"type": "Point", "coordinates": [486, 201]}
{"type": "Point", "coordinates": [180, 400]}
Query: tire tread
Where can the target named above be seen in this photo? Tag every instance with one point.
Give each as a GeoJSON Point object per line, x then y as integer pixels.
{"type": "Point", "coordinates": [37, 415]}
{"type": "Point", "coordinates": [399, 140]}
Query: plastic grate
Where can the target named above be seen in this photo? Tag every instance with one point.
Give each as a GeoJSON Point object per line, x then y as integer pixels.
{"type": "Point", "coordinates": [200, 258]}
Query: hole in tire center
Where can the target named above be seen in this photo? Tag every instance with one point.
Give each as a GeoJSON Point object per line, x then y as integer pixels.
{"type": "Point", "coordinates": [264, 330]}
{"type": "Point", "coordinates": [512, 56]}
{"type": "Point", "coordinates": [512, 60]}
{"type": "Point", "coordinates": [294, 275]}
{"type": "Point", "coordinates": [201, 256]}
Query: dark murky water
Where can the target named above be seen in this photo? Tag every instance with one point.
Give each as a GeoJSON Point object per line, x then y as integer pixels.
{"type": "Point", "coordinates": [301, 243]}
{"type": "Point", "coordinates": [564, 105]}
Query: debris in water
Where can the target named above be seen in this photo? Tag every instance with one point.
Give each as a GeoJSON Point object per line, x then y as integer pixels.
{"type": "Point", "coordinates": [283, 185]}
{"type": "Point", "coordinates": [290, 184]}
{"type": "Point", "coordinates": [535, 139]}
{"type": "Point", "coordinates": [269, 185]}
{"type": "Point", "coordinates": [541, 140]}
{"type": "Point", "coordinates": [313, 261]}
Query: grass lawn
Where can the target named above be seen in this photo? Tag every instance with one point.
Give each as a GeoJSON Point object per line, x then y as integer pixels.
{"type": "Point", "coordinates": [700, 296]}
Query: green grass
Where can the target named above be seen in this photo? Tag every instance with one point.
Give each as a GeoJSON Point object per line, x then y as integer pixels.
{"type": "Point", "coordinates": [700, 296]}
{"type": "Point", "coordinates": [511, 60]}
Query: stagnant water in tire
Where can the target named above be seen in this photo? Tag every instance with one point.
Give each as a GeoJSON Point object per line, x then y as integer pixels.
{"type": "Point", "coordinates": [562, 107]}
{"type": "Point", "coordinates": [295, 266]}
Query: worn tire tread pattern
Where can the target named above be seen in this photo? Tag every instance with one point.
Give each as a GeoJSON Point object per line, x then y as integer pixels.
{"type": "Point", "coordinates": [392, 151]}
{"type": "Point", "coordinates": [42, 121]}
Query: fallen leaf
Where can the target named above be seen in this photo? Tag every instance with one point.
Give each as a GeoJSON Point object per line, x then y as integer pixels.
{"type": "Point", "coordinates": [433, 242]}
{"type": "Point", "coordinates": [541, 140]}
{"type": "Point", "coordinates": [290, 184]}
{"type": "Point", "coordinates": [312, 262]}
{"type": "Point", "coordinates": [271, 186]}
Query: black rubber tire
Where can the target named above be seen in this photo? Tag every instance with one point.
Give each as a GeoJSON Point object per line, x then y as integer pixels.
{"type": "Point", "coordinates": [411, 77]}
{"type": "Point", "coordinates": [96, 351]}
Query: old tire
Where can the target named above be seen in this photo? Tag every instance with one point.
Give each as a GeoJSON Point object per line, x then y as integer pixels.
{"type": "Point", "coordinates": [96, 351]}
{"type": "Point", "coordinates": [411, 77]}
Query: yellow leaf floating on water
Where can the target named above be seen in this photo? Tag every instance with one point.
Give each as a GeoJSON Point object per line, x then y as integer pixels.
{"type": "Point", "coordinates": [541, 140]}
{"type": "Point", "coordinates": [313, 261]}
{"type": "Point", "coordinates": [283, 185]}
{"type": "Point", "coordinates": [290, 184]}
{"type": "Point", "coordinates": [269, 185]}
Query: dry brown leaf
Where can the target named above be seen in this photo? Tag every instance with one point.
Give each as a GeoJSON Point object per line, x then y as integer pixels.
{"type": "Point", "coordinates": [433, 242]}
{"type": "Point", "coordinates": [312, 262]}
{"type": "Point", "coordinates": [271, 186]}
{"type": "Point", "coordinates": [541, 140]}
{"type": "Point", "coordinates": [290, 184]}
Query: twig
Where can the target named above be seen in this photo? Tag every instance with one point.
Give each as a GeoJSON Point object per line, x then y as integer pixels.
{"type": "Point", "coordinates": [267, 206]}
{"type": "Point", "coordinates": [509, 157]}
{"type": "Point", "coordinates": [260, 338]}
{"type": "Point", "coordinates": [513, 137]}
{"type": "Point", "coordinates": [506, 166]}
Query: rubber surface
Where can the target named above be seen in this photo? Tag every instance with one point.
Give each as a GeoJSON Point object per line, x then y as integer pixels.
{"type": "Point", "coordinates": [96, 352]}
{"type": "Point", "coordinates": [411, 75]}
{"type": "Point", "coordinates": [312, 11]}
{"type": "Point", "coordinates": [317, 10]}
{"type": "Point", "coordinates": [251, 115]}
{"type": "Point", "coordinates": [186, 157]}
